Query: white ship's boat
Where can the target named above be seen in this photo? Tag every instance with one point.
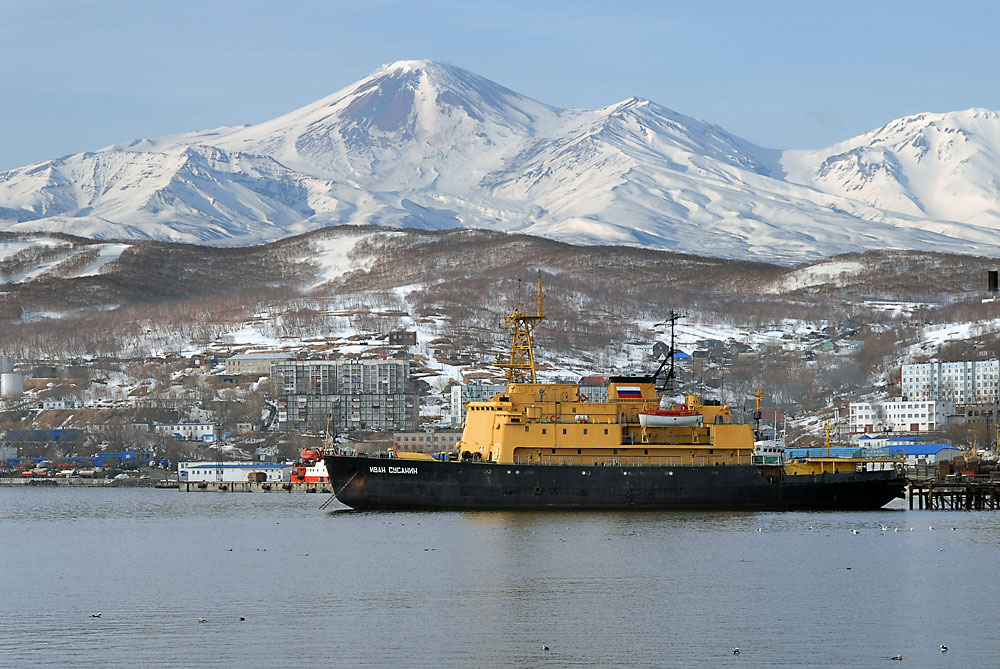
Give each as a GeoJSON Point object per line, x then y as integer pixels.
{"type": "Point", "coordinates": [675, 417]}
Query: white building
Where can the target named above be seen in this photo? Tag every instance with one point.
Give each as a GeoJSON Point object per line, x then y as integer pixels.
{"type": "Point", "coordinates": [965, 382]}
{"type": "Point", "coordinates": [254, 363]}
{"type": "Point", "coordinates": [189, 431]}
{"type": "Point", "coordinates": [231, 472]}
{"type": "Point", "coordinates": [475, 391]}
{"type": "Point", "coordinates": [899, 416]}
{"type": "Point", "coordinates": [58, 404]}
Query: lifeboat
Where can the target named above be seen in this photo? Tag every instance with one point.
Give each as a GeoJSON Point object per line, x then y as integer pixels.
{"type": "Point", "coordinates": [310, 454]}
{"type": "Point", "coordinates": [673, 417]}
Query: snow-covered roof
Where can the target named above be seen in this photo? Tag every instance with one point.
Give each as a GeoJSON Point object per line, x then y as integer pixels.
{"type": "Point", "coordinates": [261, 356]}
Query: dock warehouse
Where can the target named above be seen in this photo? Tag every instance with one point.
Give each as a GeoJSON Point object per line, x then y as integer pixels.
{"type": "Point", "coordinates": [232, 472]}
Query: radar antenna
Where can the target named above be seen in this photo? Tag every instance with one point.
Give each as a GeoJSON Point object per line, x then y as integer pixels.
{"type": "Point", "coordinates": [521, 368]}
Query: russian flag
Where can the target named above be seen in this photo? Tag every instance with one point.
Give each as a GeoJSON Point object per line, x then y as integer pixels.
{"type": "Point", "coordinates": [629, 393]}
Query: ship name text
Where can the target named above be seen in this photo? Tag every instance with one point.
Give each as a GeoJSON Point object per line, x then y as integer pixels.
{"type": "Point", "coordinates": [392, 470]}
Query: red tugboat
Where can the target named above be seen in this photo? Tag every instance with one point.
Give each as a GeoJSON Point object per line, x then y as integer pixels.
{"type": "Point", "coordinates": [310, 468]}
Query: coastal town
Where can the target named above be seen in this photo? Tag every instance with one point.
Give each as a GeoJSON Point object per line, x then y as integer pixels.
{"type": "Point", "coordinates": [244, 414]}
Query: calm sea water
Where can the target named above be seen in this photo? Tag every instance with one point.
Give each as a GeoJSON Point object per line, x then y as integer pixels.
{"type": "Point", "coordinates": [346, 589]}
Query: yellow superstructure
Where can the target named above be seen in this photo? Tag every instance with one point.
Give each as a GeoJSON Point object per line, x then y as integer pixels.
{"type": "Point", "coordinates": [547, 423]}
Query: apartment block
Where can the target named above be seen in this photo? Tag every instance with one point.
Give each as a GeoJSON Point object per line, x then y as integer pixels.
{"type": "Point", "coordinates": [965, 382]}
{"type": "Point", "coordinates": [371, 395]}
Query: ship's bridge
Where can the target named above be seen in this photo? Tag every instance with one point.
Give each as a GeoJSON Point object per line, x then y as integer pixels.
{"type": "Point", "coordinates": [520, 394]}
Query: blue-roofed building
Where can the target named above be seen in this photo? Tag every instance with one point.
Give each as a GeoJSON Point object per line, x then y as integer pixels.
{"type": "Point", "coordinates": [889, 441]}
{"type": "Point", "coordinates": [927, 454]}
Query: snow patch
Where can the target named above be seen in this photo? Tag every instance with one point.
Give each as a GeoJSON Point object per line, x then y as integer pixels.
{"type": "Point", "coordinates": [833, 272]}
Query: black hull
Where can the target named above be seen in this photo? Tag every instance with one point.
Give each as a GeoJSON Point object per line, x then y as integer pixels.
{"type": "Point", "coordinates": [388, 483]}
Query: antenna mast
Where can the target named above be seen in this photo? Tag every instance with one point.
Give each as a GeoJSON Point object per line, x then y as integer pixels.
{"type": "Point", "coordinates": [668, 380]}
{"type": "Point", "coordinates": [521, 368]}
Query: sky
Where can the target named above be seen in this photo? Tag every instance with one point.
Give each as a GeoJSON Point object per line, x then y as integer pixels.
{"type": "Point", "coordinates": [80, 75]}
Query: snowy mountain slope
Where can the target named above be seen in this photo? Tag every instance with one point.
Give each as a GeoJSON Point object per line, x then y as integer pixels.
{"type": "Point", "coordinates": [188, 193]}
{"type": "Point", "coordinates": [940, 166]}
{"type": "Point", "coordinates": [421, 144]}
{"type": "Point", "coordinates": [24, 259]}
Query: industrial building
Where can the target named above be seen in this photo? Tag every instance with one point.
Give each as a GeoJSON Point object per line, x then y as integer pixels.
{"type": "Point", "coordinates": [204, 432]}
{"type": "Point", "coordinates": [58, 404]}
{"type": "Point", "coordinates": [352, 394]}
{"type": "Point", "coordinates": [232, 472]}
{"type": "Point", "coordinates": [11, 385]}
{"type": "Point", "coordinates": [402, 338]}
{"type": "Point", "coordinates": [255, 363]}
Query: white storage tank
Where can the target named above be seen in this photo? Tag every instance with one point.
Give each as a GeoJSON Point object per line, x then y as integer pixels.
{"type": "Point", "coordinates": [11, 385]}
{"type": "Point", "coordinates": [6, 364]}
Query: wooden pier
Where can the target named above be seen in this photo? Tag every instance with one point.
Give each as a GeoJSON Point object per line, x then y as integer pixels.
{"type": "Point", "coordinates": [248, 486]}
{"type": "Point", "coordinates": [949, 496]}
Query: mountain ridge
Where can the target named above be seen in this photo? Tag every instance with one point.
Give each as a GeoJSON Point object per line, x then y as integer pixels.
{"type": "Point", "coordinates": [423, 144]}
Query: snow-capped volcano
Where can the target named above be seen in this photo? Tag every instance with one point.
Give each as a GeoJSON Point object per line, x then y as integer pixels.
{"type": "Point", "coordinates": [425, 144]}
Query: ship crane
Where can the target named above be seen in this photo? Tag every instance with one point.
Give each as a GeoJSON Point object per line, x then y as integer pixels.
{"type": "Point", "coordinates": [521, 368]}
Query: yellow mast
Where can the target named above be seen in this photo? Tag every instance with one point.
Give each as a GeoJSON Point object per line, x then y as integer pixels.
{"type": "Point", "coordinates": [521, 368]}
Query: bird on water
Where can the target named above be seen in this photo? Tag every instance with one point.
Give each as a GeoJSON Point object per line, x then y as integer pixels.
{"type": "Point", "coordinates": [897, 657]}
{"type": "Point", "coordinates": [736, 651]}
{"type": "Point", "coordinates": [944, 648]}
{"type": "Point", "coordinates": [95, 615]}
